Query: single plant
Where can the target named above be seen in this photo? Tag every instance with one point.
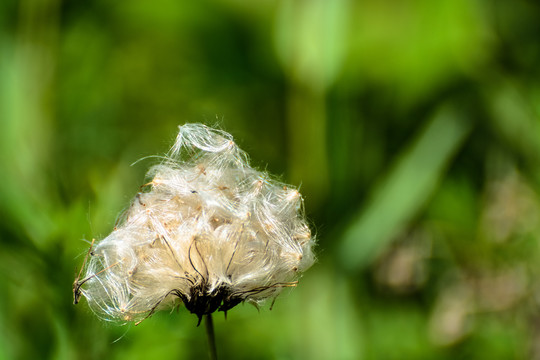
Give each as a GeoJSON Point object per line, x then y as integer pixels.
{"type": "Point", "coordinates": [207, 231]}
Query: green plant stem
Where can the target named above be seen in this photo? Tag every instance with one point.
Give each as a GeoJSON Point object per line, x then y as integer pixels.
{"type": "Point", "coordinates": [209, 325]}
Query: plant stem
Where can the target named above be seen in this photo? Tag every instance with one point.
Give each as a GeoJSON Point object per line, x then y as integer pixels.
{"type": "Point", "coordinates": [209, 325]}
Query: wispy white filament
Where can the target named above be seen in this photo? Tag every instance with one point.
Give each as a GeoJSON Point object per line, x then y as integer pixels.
{"type": "Point", "coordinates": [207, 231]}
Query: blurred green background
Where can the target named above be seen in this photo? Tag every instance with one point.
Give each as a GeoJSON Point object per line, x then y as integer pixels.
{"type": "Point", "coordinates": [412, 126]}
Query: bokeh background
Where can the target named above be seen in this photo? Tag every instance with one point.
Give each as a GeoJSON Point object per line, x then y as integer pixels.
{"type": "Point", "coordinates": [413, 128]}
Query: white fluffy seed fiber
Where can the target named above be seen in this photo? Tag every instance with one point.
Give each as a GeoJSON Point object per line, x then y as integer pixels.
{"type": "Point", "coordinates": [207, 231]}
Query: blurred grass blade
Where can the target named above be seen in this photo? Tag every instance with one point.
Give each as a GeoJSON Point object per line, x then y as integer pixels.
{"type": "Point", "coordinates": [411, 181]}
{"type": "Point", "coordinates": [311, 40]}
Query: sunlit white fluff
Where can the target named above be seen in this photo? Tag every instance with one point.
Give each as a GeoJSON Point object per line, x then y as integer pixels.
{"type": "Point", "coordinates": [207, 231]}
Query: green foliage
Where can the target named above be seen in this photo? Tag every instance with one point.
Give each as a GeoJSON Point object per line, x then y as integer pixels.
{"type": "Point", "coordinates": [413, 127]}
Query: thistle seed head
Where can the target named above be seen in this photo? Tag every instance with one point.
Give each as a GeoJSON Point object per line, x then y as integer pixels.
{"type": "Point", "coordinates": [207, 230]}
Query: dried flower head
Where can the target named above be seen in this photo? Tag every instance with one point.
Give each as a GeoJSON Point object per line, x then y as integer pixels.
{"type": "Point", "coordinates": [208, 231]}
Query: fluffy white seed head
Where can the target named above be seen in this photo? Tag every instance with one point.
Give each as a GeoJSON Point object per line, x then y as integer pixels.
{"type": "Point", "coordinates": [207, 231]}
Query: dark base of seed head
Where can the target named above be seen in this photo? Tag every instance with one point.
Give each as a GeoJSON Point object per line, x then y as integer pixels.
{"type": "Point", "coordinates": [201, 302]}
